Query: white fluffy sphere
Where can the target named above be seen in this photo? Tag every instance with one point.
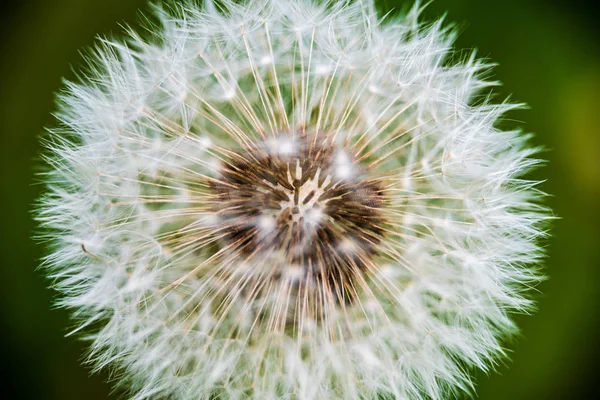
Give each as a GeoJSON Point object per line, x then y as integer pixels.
{"type": "Point", "coordinates": [286, 199]}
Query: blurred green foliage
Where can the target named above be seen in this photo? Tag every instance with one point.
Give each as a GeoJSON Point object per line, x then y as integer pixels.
{"type": "Point", "coordinates": [548, 56]}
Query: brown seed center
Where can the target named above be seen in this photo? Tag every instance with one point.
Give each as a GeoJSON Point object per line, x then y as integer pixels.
{"type": "Point", "coordinates": [310, 214]}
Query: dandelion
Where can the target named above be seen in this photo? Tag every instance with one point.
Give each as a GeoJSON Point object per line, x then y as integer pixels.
{"type": "Point", "coordinates": [292, 200]}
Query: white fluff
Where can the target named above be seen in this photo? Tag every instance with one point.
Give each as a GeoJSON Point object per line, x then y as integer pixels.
{"type": "Point", "coordinates": [131, 237]}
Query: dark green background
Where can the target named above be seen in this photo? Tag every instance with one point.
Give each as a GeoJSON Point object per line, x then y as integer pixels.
{"type": "Point", "coordinates": [549, 57]}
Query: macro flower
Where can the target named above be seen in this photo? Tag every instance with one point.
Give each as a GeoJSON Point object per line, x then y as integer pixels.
{"type": "Point", "coordinates": [285, 199]}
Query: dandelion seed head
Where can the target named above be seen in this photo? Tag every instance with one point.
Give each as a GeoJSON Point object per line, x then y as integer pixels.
{"type": "Point", "coordinates": [289, 199]}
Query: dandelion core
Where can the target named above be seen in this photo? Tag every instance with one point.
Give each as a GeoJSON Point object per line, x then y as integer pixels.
{"type": "Point", "coordinates": [301, 205]}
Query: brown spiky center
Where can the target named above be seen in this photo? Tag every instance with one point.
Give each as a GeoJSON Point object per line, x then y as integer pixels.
{"type": "Point", "coordinates": [309, 215]}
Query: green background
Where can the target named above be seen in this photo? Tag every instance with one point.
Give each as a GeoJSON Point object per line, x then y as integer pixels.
{"type": "Point", "coordinates": [548, 55]}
